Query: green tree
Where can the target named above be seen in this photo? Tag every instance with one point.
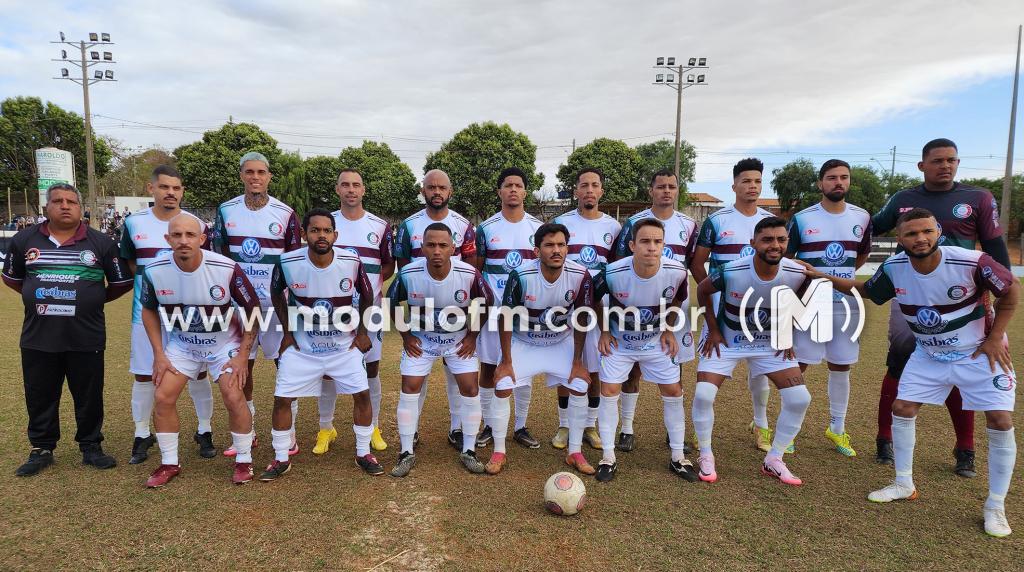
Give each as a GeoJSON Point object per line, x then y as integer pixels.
{"type": "Point", "coordinates": [321, 174]}
{"type": "Point", "coordinates": [661, 155]}
{"type": "Point", "coordinates": [474, 157]}
{"type": "Point", "coordinates": [27, 124]}
{"type": "Point", "coordinates": [131, 171]}
{"type": "Point", "coordinates": [210, 165]}
{"type": "Point", "coordinates": [867, 190]}
{"type": "Point", "coordinates": [995, 186]}
{"type": "Point", "coordinates": [897, 182]}
{"type": "Point", "coordinates": [795, 183]}
{"type": "Point", "coordinates": [620, 164]}
{"type": "Point", "coordinates": [391, 189]}
{"type": "Point", "coordinates": [293, 187]}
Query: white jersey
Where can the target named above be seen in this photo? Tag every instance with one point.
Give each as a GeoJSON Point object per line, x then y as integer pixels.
{"type": "Point", "coordinates": [369, 238]}
{"type": "Point", "coordinates": [945, 309]}
{"type": "Point", "coordinates": [142, 239]}
{"type": "Point", "coordinates": [504, 246]}
{"type": "Point", "coordinates": [528, 288]}
{"type": "Point", "coordinates": [323, 291]}
{"type": "Point", "coordinates": [727, 232]}
{"type": "Point", "coordinates": [626, 290]}
{"type": "Point", "coordinates": [202, 305]}
{"type": "Point", "coordinates": [257, 239]}
{"type": "Point", "coordinates": [831, 242]}
{"type": "Point", "coordinates": [680, 236]}
{"type": "Point", "coordinates": [734, 279]}
{"type": "Point", "coordinates": [414, 286]}
{"type": "Point", "coordinates": [409, 239]}
{"type": "Point", "coordinates": [590, 241]}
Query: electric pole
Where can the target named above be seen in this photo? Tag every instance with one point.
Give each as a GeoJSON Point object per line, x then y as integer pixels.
{"type": "Point", "coordinates": [675, 81]}
{"type": "Point", "coordinates": [1004, 211]}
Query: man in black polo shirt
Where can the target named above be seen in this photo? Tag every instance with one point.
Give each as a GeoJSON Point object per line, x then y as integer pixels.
{"type": "Point", "coordinates": [65, 272]}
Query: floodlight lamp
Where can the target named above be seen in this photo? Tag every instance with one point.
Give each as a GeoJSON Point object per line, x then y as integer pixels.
{"type": "Point", "coordinates": [660, 61]}
{"type": "Point", "coordinates": [105, 37]}
{"type": "Point", "coordinates": [94, 55]}
{"type": "Point", "coordinates": [670, 79]}
{"type": "Point", "coordinates": [689, 78]}
{"type": "Point", "coordinates": [659, 78]}
{"type": "Point", "coordinates": [93, 37]}
{"type": "Point", "coordinates": [702, 62]}
{"type": "Point", "coordinates": [108, 74]}
{"type": "Point", "coordinates": [63, 54]}
{"type": "Point", "coordinates": [64, 72]}
{"type": "Point", "coordinates": [107, 56]}
{"type": "Point", "coordinates": [98, 74]}
{"type": "Point", "coordinates": [61, 36]}
{"type": "Point", "coordinates": [693, 61]}
{"type": "Point", "coordinates": [700, 78]}
{"type": "Point", "coordinates": [670, 62]}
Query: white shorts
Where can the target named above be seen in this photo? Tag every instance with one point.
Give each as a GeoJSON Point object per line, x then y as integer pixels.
{"type": "Point", "coordinates": [377, 342]}
{"type": "Point", "coordinates": [841, 350]}
{"type": "Point", "coordinates": [301, 375]}
{"type": "Point", "coordinates": [687, 350]}
{"type": "Point", "coordinates": [591, 353]}
{"type": "Point", "coordinates": [421, 366]}
{"type": "Point", "coordinates": [488, 343]}
{"type": "Point", "coordinates": [655, 367]}
{"type": "Point", "coordinates": [926, 380]}
{"type": "Point", "coordinates": [269, 340]}
{"type": "Point", "coordinates": [554, 360]}
{"type": "Point", "coordinates": [191, 365]}
{"type": "Point", "coordinates": [140, 359]}
{"type": "Point", "coordinates": [757, 364]}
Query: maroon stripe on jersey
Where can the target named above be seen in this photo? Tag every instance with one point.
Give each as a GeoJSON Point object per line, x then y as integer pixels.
{"type": "Point", "coordinates": [336, 301]}
{"type": "Point", "coordinates": [502, 252]}
{"type": "Point", "coordinates": [264, 242]}
{"type": "Point", "coordinates": [677, 248]}
{"type": "Point", "coordinates": [576, 248]}
{"type": "Point", "coordinates": [149, 252]}
{"type": "Point", "coordinates": [821, 245]}
{"type": "Point", "coordinates": [208, 309]}
{"type": "Point", "coordinates": [911, 310]}
{"type": "Point", "coordinates": [728, 248]}
{"type": "Point", "coordinates": [361, 250]}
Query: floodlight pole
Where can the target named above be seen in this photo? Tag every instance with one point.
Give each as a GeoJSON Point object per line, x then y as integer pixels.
{"type": "Point", "coordinates": [1004, 214]}
{"type": "Point", "coordinates": [679, 85]}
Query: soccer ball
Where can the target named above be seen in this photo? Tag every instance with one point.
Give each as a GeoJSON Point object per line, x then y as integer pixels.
{"type": "Point", "coordinates": [564, 494]}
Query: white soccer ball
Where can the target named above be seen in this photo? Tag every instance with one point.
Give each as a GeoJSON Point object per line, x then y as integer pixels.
{"type": "Point", "coordinates": [564, 494]}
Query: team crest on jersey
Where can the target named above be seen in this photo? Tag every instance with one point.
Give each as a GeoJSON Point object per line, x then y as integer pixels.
{"type": "Point", "coordinates": [687, 340]}
{"type": "Point", "coordinates": [956, 292]}
{"type": "Point", "coordinates": [217, 292]}
{"type": "Point", "coordinates": [373, 238]}
{"type": "Point", "coordinates": [569, 295]}
{"type": "Point", "coordinates": [251, 250]}
{"type": "Point", "coordinates": [276, 228]}
{"type": "Point", "coordinates": [456, 238]}
{"type": "Point", "coordinates": [588, 256]}
{"type": "Point", "coordinates": [513, 260]}
{"type": "Point", "coordinates": [608, 238]}
{"type": "Point", "coordinates": [929, 320]}
{"type": "Point", "coordinates": [858, 230]}
{"type": "Point", "coordinates": [461, 296]}
{"type": "Point", "coordinates": [1003, 382]}
{"type": "Point", "coordinates": [32, 254]}
{"type": "Point", "coordinates": [683, 239]}
{"type": "Point", "coordinates": [668, 292]}
{"type": "Point", "coordinates": [835, 254]}
{"type": "Point", "coordinates": [747, 250]}
{"type": "Point", "coordinates": [962, 210]}
{"type": "Point", "coordinates": [345, 284]}
{"type": "Point", "coordinates": [87, 257]}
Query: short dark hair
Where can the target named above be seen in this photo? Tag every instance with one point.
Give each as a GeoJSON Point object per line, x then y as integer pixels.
{"type": "Point", "coordinates": [661, 173]}
{"type": "Point", "coordinates": [167, 171]}
{"type": "Point", "coordinates": [914, 214]}
{"type": "Point", "coordinates": [350, 170]}
{"type": "Point", "coordinates": [748, 164]}
{"type": "Point", "coordinates": [439, 226]}
{"type": "Point", "coordinates": [316, 212]}
{"type": "Point", "coordinates": [831, 164]}
{"type": "Point", "coordinates": [646, 222]}
{"type": "Point", "coordinates": [549, 228]}
{"type": "Point", "coordinates": [769, 222]}
{"type": "Point", "coordinates": [512, 172]}
{"type": "Point", "coordinates": [937, 144]}
{"type": "Point", "coordinates": [594, 170]}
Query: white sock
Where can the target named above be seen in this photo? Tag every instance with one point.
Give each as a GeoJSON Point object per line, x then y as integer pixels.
{"type": "Point", "coordinates": [202, 398]}
{"type": "Point", "coordinates": [523, 395]}
{"type": "Point", "coordinates": [408, 417]}
{"type": "Point", "coordinates": [452, 387]}
{"type": "Point", "coordinates": [469, 416]}
{"type": "Point", "coordinates": [904, 436]}
{"type": "Point", "coordinates": [563, 415]}
{"type": "Point", "coordinates": [363, 433]}
{"type": "Point", "coordinates": [242, 442]}
{"type": "Point", "coordinates": [838, 400]}
{"type": "Point", "coordinates": [168, 443]}
{"type": "Point", "coordinates": [1002, 454]}
{"type": "Point", "coordinates": [795, 401]}
{"type": "Point", "coordinates": [675, 423]}
{"type": "Point", "coordinates": [627, 405]}
{"type": "Point", "coordinates": [759, 395]}
{"type": "Point", "coordinates": [375, 395]}
{"type": "Point", "coordinates": [252, 411]}
{"type": "Point", "coordinates": [608, 420]}
{"type": "Point", "coordinates": [486, 398]}
{"type": "Point", "coordinates": [143, 395]}
{"type": "Point", "coordinates": [291, 431]}
{"type": "Point", "coordinates": [326, 403]}
{"type": "Point", "coordinates": [593, 403]}
{"type": "Point", "coordinates": [577, 413]}
{"type": "Point", "coordinates": [704, 414]}
{"type": "Point", "coordinates": [423, 397]}
{"type": "Point", "coordinates": [500, 411]}
{"type": "Point", "coordinates": [282, 441]}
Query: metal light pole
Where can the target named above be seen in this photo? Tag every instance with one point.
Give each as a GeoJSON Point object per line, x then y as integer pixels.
{"type": "Point", "coordinates": [84, 63]}
{"type": "Point", "coordinates": [1004, 214]}
{"type": "Point", "coordinates": [675, 81]}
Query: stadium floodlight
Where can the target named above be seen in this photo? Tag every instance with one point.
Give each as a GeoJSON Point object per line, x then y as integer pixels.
{"type": "Point", "coordinates": [61, 36]}
{"type": "Point", "coordinates": [94, 37]}
{"type": "Point", "coordinates": [94, 55]}
{"type": "Point", "coordinates": [659, 78]}
{"type": "Point", "coordinates": [98, 74]}
{"type": "Point", "coordinates": [660, 61]}
{"type": "Point", "coordinates": [64, 72]}
{"type": "Point", "coordinates": [693, 61]}
{"type": "Point", "coordinates": [689, 78]}
{"type": "Point", "coordinates": [670, 62]}
{"type": "Point", "coordinates": [108, 74]}
{"type": "Point", "coordinates": [670, 79]}
{"type": "Point", "coordinates": [105, 37]}
{"type": "Point", "coordinates": [702, 62]}
{"type": "Point", "coordinates": [700, 78]}
{"type": "Point", "coordinates": [63, 54]}
{"type": "Point", "coordinates": [107, 56]}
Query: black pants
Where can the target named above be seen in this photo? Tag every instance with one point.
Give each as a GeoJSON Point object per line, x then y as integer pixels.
{"type": "Point", "coordinates": [44, 381]}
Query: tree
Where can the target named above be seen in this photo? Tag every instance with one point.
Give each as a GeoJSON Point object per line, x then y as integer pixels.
{"type": "Point", "coordinates": [661, 155]}
{"type": "Point", "coordinates": [474, 157]}
{"type": "Point", "coordinates": [321, 175]}
{"type": "Point", "coordinates": [897, 182]}
{"type": "Point", "coordinates": [26, 124]}
{"type": "Point", "coordinates": [390, 184]}
{"type": "Point", "coordinates": [620, 164]}
{"type": "Point", "coordinates": [210, 165]}
{"type": "Point", "coordinates": [293, 188]}
{"type": "Point", "coordinates": [995, 186]}
{"type": "Point", "coordinates": [867, 190]}
{"type": "Point", "coordinates": [795, 183]}
{"type": "Point", "coordinates": [131, 171]}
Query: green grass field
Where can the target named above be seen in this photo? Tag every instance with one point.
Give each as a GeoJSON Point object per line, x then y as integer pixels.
{"type": "Point", "coordinates": [326, 514]}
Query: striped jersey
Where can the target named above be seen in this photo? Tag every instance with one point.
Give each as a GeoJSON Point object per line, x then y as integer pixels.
{"type": "Point", "coordinates": [142, 238]}
{"type": "Point", "coordinates": [680, 235]}
{"type": "Point", "coordinates": [547, 303]}
{"type": "Point", "coordinates": [428, 298]}
{"type": "Point", "coordinates": [734, 279]}
{"type": "Point", "coordinates": [200, 306]}
{"type": "Point", "coordinates": [319, 298]}
{"type": "Point", "coordinates": [410, 235]}
{"type": "Point", "coordinates": [369, 238]}
{"type": "Point", "coordinates": [727, 232]}
{"type": "Point", "coordinates": [639, 329]}
{"type": "Point", "coordinates": [944, 308]}
{"type": "Point", "coordinates": [831, 242]}
{"type": "Point", "coordinates": [590, 241]}
{"type": "Point", "coordinates": [257, 239]}
{"type": "Point", "coordinates": [504, 246]}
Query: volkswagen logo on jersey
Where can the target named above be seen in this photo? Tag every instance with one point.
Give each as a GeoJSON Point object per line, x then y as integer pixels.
{"type": "Point", "coordinates": [758, 319]}
{"type": "Point", "coordinates": [162, 251]}
{"type": "Point", "coordinates": [372, 238]}
{"type": "Point", "coordinates": [1003, 382]}
{"type": "Point", "coordinates": [345, 284]}
{"type": "Point", "coordinates": [193, 316]}
{"type": "Point", "coordinates": [588, 256]}
{"type": "Point", "coordinates": [929, 320]}
{"type": "Point", "coordinates": [835, 254]}
{"type": "Point", "coordinates": [322, 310]}
{"type": "Point", "coordinates": [646, 315]}
{"type": "Point", "coordinates": [353, 250]}
{"type": "Point", "coordinates": [276, 229]}
{"type": "Point", "coordinates": [666, 251]}
{"type": "Point", "coordinates": [217, 292]}
{"type": "Point", "coordinates": [747, 250]}
{"type": "Point", "coordinates": [461, 296]}
{"type": "Point", "coordinates": [513, 260]}
{"type": "Point", "coordinates": [962, 210]}
{"type": "Point", "coordinates": [251, 250]}
{"type": "Point", "coordinates": [547, 317]}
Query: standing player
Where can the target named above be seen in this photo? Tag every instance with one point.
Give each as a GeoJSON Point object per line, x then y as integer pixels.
{"type": "Point", "coordinates": [142, 239]}
{"type": "Point", "coordinates": [541, 295]}
{"type": "Point", "coordinates": [437, 191]}
{"type": "Point", "coordinates": [724, 237]}
{"type": "Point", "coordinates": [680, 241]}
{"type": "Point", "coordinates": [647, 292]}
{"type": "Point", "coordinates": [254, 230]}
{"type": "Point", "coordinates": [957, 346]}
{"type": "Point", "coordinates": [206, 290]}
{"type": "Point", "coordinates": [834, 237]}
{"type": "Point", "coordinates": [433, 287]}
{"type": "Point", "coordinates": [369, 238]}
{"type": "Point", "coordinates": [322, 282]}
{"type": "Point", "coordinates": [966, 215]}
{"type": "Point", "coordinates": [592, 236]}
{"type": "Point", "coordinates": [503, 243]}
